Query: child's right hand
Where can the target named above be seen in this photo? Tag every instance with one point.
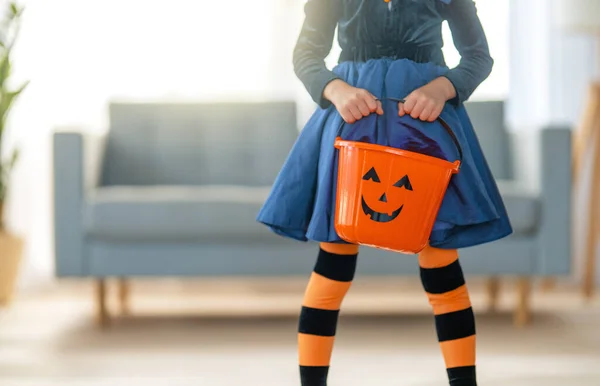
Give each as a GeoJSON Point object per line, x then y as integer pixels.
{"type": "Point", "coordinates": [351, 102]}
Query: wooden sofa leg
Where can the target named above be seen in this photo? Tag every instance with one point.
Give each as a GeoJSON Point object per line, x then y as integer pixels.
{"type": "Point", "coordinates": [124, 292]}
{"type": "Point", "coordinates": [103, 317]}
{"type": "Point", "coordinates": [493, 291]}
{"type": "Point", "coordinates": [589, 275]}
{"type": "Point", "coordinates": [522, 314]}
{"type": "Point", "coordinates": [548, 284]}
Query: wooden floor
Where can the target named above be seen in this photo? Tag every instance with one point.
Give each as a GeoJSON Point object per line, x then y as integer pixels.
{"type": "Point", "coordinates": [243, 333]}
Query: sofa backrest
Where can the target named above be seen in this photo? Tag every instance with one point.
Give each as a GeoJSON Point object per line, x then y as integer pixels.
{"type": "Point", "coordinates": [489, 123]}
{"type": "Point", "coordinates": [198, 143]}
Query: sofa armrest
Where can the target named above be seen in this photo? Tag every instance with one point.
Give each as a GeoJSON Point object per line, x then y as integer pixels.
{"type": "Point", "coordinates": [77, 160]}
{"type": "Point", "coordinates": [555, 195]}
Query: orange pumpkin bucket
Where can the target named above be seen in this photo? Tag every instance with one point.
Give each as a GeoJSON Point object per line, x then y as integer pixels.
{"type": "Point", "coordinates": [389, 198]}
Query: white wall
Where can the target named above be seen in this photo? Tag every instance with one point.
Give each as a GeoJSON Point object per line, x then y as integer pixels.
{"type": "Point", "coordinates": [551, 70]}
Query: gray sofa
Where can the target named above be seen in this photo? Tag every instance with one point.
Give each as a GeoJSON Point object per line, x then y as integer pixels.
{"type": "Point", "coordinates": [173, 190]}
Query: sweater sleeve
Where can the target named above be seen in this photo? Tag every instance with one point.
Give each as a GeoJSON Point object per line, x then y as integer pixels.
{"type": "Point", "coordinates": [471, 43]}
{"type": "Point", "coordinates": [313, 46]}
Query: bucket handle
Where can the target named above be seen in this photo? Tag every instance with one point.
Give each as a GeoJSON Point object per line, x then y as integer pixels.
{"type": "Point", "coordinates": [442, 122]}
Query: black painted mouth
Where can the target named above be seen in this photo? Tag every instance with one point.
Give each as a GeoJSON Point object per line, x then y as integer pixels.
{"type": "Point", "coordinates": [378, 216]}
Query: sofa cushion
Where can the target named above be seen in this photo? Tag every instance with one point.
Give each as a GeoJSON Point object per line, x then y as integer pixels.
{"type": "Point", "coordinates": [178, 213]}
{"type": "Point", "coordinates": [522, 205]}
{"type": "Point", "coordinates": [220, 143]}
{"type": "Point", "coordinates": [163, 213]}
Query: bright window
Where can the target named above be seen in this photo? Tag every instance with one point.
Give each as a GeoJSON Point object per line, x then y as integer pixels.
{"type": "Point", "coordinates": [145, 50]}
{"type": "Point", "coordinates": [494, 16]}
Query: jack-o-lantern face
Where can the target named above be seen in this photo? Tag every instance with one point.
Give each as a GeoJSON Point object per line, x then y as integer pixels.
{"type": "Point", "coordinates": [402, 183]}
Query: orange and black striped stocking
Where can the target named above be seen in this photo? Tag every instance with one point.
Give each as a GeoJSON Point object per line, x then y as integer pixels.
{"type": "Point", "coordinates": [444, 283]}
{"type": "Point", "coordinates": [329, 283]}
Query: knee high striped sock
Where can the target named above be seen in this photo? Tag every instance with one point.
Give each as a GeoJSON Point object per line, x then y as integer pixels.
{"type": "Point", "coordinates": [328, 284]}
{"type": "Point", "coordinates": [444, 283]}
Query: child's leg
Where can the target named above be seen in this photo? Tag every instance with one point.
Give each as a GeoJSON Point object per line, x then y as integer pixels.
{"type": "Point", "coordinates": [444, 283]}
{"type": "Point", "coordinates": [329, 282]}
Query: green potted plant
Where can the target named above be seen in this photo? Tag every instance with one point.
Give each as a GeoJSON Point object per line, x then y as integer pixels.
{"type": "Point", "coordinates": [10, 246]}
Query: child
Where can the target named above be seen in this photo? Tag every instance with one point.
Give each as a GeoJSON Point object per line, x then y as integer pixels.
{"type": "Point", "coordinates": [389, 49]}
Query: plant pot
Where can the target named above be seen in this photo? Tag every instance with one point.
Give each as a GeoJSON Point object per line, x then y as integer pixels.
{"type": "Point", "coordinates": [11, 250]}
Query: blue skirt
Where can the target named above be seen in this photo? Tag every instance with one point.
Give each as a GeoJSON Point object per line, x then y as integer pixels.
{"type": "Point", "coordinates": [302, 201]}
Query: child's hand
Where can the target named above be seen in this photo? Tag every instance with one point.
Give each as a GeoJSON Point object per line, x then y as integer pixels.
{"type": "Point", "coordinates": [352, 103]}
{"type": "Point", "coordinates": [426, 103]}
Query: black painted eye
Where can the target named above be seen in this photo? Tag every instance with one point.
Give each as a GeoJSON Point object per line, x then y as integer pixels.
{"type": "Point", "coordinates": [404, 183]}
{"type": "Point", "coordinates": [371, 175]}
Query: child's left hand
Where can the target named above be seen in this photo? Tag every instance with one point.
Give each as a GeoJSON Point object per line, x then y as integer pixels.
{"type": "Point", "coordinates": [426, 103]}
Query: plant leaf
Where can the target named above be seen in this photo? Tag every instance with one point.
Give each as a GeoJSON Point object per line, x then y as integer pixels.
{"type": "Point", "coordinates": [7, 99]}
{"type": "Point", "coordinates": [22, 88]}
{"type": "Point", "coordinates": [4, 69]}
{"type": "Point", "coordinates": [13, 159]}
{"type": "Point", "coordinates": [3, 181]}
{"type": "Point", "coordinates": [9, 31]}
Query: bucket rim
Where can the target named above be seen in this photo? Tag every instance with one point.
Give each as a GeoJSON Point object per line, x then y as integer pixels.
{"type": "Point", "coordinates": [454, 167]}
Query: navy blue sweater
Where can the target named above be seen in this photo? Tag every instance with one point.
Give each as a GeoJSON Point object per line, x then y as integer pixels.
{"type": "Point", "coordinates": [409, 29]}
